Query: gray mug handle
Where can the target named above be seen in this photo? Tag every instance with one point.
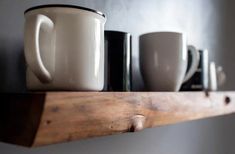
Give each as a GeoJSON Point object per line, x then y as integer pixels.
{"type": "Point", "coordinates": [195, 62]}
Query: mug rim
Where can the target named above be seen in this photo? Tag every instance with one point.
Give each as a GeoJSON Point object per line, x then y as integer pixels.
{"type": "Point", "coordinates": [117, 32]}
{"type": "Point", "coordinates": [163, 32]}
{"type": "Point", "coordinates": [64, 6]}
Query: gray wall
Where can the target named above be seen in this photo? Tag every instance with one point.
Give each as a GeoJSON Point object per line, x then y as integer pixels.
{"type": "Point", "coordinates": [208, 24]}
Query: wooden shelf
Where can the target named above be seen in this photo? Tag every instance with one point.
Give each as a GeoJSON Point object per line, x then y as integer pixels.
{"type": "Point", "coordinates": [48, 118]}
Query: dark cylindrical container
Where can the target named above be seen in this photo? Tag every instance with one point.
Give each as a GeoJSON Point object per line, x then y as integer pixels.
{"type": "Point", "coordinates": [199, 80]}
{"type": "Point", "coordinates": [118, 61]}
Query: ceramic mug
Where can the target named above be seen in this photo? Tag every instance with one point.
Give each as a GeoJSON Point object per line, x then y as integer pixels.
{"type": "Point", "coordinates": [118, 50]}
{"type": "Point", "coordinates": [199, 81]}
{"type": "Point", "coordinates": [164, 60]}
{"type": "Point", "coordinates": [64, 48]}
{"type": "Point", "coordinates": [217, 77]}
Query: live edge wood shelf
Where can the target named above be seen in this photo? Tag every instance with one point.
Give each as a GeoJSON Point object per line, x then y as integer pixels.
{"type": "Point", "coordinates": [46, 118]}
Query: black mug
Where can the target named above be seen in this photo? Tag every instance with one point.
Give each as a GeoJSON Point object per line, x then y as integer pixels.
{"type": "Point", "coordinates": [118, 61]}
{"type": "Point", "coordinates": [199, 81]}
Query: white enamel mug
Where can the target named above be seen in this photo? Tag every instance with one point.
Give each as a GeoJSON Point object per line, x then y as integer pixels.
{"type": "Point", "coordinates": [164, 60]}
{"type": "Point", "coordinates": [64, 48]}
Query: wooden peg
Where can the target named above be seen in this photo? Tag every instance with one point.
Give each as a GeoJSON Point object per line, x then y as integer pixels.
{"type": "Point", "coordinates": [137, 123]}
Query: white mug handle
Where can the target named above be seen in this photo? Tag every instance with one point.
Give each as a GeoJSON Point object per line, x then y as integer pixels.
{"type": "Point", "coordinates": [32, 47]}
{"type": "Point", "coordinates": [195, 62]}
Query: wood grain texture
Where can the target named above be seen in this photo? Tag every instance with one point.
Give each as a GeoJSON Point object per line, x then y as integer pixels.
{"type": "Point", "coordinates": [68, 116]}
